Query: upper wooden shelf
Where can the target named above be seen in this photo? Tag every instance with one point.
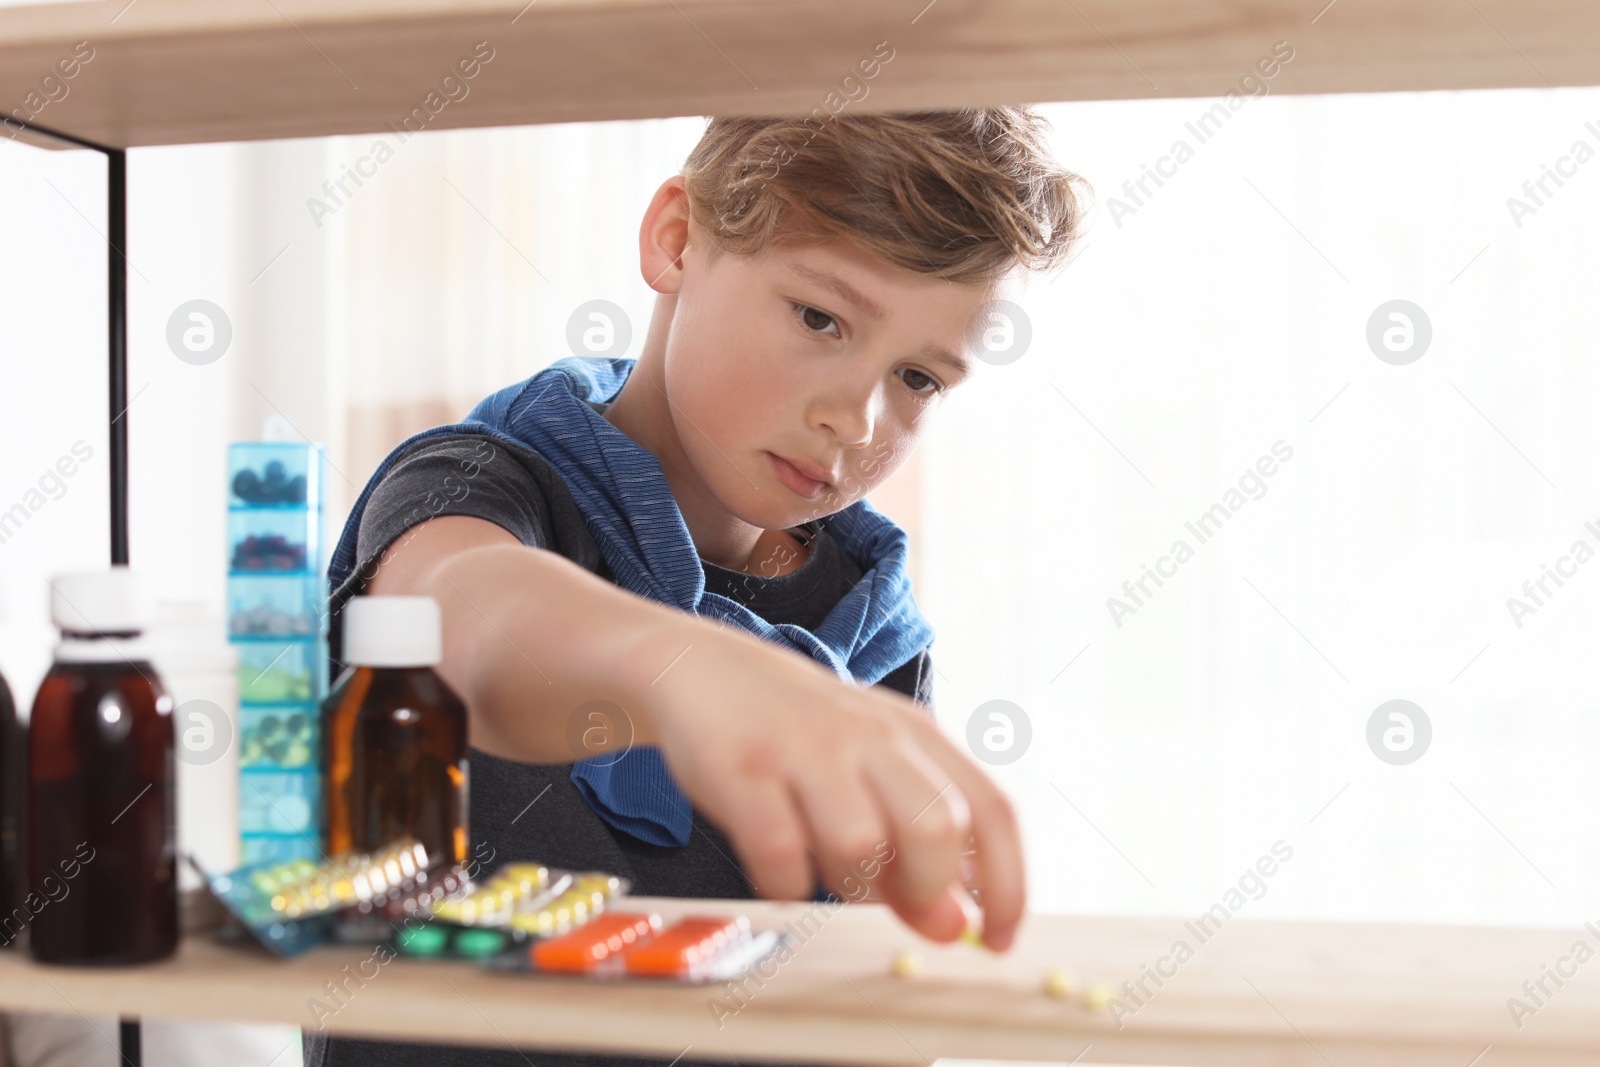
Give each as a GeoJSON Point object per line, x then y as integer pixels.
{"type": "Point", "coordinates": [182, 71]}
{"type": "Point", "coordinates": [1252, 994]}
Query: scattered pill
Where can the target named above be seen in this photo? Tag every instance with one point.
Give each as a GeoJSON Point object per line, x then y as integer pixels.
{"type": "Point", "coordinates": [1097, 997]}
{"type": "Point", "coordinates": [1060, 984]}
{"type": "Point", "coordinates": [973, 934]}
{"type": "Point", "coordinates": [907, 964]}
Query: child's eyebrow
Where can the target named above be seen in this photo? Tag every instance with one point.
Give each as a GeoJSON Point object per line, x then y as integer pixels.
{"type": "Point", "coordinates": [851, 295]}
{"type": "Point", "coordinates": [841, 289]}
{"type": "Point", "coordinates": [943, 355]}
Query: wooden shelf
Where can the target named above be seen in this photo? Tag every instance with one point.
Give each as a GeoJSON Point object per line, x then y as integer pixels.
{"type": "Point", "coordinates": [1254, 993]}
{"type": "Point", "coordinates": [183, 71]}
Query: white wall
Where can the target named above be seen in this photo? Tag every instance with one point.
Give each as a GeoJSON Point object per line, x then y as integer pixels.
{"type": "Point", "coordinates": [1227, 313]}
{"type": "Point", "coordinates": [53, 353]}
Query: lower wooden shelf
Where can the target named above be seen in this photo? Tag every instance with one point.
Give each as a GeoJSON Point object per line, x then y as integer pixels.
{"type": "Point", "coordinates": [1246, 993]}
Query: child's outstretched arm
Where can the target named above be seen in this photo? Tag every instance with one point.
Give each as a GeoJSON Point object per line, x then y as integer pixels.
{"type": "Point", "coordinates": [807, 774]}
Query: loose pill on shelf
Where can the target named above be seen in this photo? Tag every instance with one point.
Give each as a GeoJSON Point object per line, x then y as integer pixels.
{"type": "Point", "coordinates": [1060, 984]}
{"type": "Point", "coordinates": [973, 934]}
{"type": "Point", "coordinates": [1097, 996]}
{"type": "Point", "coordinates": [907, 964]}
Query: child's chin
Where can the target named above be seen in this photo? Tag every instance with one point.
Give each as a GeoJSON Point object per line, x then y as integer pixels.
{"type": "Point", "coordinates": [765, 511]}
{"type": "Point", "coordinates": [777, 507]}
{"type": "Point", "coordinates": [829, 503]}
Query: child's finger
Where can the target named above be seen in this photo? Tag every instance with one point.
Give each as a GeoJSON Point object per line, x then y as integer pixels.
{"type": "Point", "coordinates": [846, 828]}
{"type": "Point", "coordinates": [997, 838]}
{"type": "Point", "coordinates": [944, 918]}
{"type": "Point", "coordinates": [766, 830]}
{"type": "Point", "coordinates": [928, 818]}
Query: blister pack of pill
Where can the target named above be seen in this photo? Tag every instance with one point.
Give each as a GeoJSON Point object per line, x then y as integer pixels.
{"type": "Point", "coordinates": [522, 918]}
{"type": "Point", "coordinates": [519, 902]}
{"type": "Point", "coordinates": [637, 944]}
{"type": "Point", "coordinates": [288, 907]}
{"type": "Point", "coordinates": [527, 918]}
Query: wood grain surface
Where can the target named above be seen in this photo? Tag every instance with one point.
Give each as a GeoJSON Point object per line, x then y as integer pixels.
{"type": "Point", "coordinates": [174, 71]}
{"type": "Point", "coordinates": [1253, 993]}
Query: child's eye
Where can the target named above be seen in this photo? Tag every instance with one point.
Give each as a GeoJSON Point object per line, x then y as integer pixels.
{"type": "Point", "coordinates": [817, 321]}
{"type": "Point", "coordinates": [937, 388]}
{"type": "Point", "coordinates": [809, 315]}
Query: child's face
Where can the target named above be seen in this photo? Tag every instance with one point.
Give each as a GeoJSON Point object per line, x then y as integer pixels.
{"type": "Point", "coordinates": [767, 362]}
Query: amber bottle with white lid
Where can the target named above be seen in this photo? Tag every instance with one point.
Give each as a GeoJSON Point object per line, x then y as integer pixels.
{"type": "Point", "coordinates": [394, 734]}
{"type": "Point", "coordinates": [101, 811]}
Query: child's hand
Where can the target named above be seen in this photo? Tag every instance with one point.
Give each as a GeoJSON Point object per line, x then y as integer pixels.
{"type": "Point", "coordinates": [811, 776]}
{"type": "Point", "coordinates": [808, 775]}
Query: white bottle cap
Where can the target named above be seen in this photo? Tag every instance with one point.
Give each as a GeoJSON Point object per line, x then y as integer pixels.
{"type": "Point", "coordinates": [98, 602]}
{"type": "Point", "coordinates": [393, 631]}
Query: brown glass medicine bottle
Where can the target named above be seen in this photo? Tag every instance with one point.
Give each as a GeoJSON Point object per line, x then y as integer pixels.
{"type": "Point", "coordinates": [102, 883]}
{"type": "Point", "coordinates": [394, 734]}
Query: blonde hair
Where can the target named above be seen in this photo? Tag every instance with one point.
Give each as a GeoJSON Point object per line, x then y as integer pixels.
{"type": "Point", "coordinates": [967, 194]}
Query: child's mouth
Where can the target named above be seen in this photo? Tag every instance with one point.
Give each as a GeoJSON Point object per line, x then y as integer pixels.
{"type": "Point", "coordinates": [790, 476]}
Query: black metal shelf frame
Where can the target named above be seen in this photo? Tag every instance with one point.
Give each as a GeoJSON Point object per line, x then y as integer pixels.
{"type": "Point", "coordinates": [117, 367]}
{"type": "Point", "coordinates": [116, 318]}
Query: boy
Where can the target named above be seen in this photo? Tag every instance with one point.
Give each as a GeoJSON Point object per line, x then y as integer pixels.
{"type": "Point", "coordinates": [628, 553]}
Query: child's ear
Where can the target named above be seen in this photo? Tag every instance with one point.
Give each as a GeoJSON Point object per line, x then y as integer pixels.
{"type": "Point", "coordinates": [664, 236]}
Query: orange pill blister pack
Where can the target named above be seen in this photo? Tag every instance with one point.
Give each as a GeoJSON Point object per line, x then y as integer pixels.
{"type": "Point", "coordinates": [639, 944]}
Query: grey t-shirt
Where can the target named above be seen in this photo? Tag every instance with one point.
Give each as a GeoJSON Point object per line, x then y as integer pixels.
{"type": "Point", "coordinates": [526, 811]}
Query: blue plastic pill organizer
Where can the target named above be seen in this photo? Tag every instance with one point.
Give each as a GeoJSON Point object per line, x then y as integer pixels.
{"type": "Point", "coordinates": [277, 619]}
